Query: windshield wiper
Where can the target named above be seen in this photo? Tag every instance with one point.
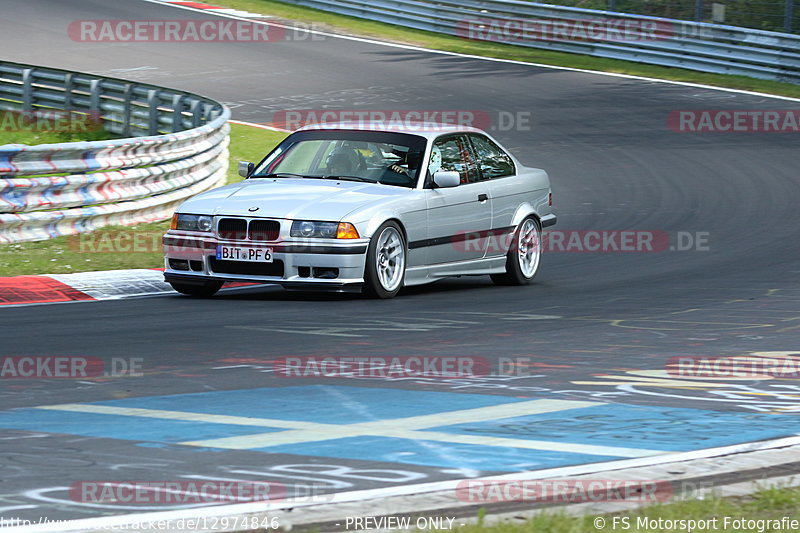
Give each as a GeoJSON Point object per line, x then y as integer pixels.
{"type": "Point", "coordinates": [347, 178]}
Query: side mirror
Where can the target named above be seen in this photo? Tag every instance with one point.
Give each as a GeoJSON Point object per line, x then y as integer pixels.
{"type": "Point", "coordinates": [246, 168]}
{"type": "Point", "coordinates": [445, 179]}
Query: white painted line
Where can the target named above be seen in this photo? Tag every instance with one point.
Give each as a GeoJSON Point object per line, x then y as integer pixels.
{"type": "Point", "coordinates": [266, 440]}
{"type": "Point", "coordinates": [121, 521]}
{"type": "Point", "coordinates": [181, 415]}
{"type": "Point", "coordinates": [409, 428]}
{"type": "Point", "coordinates": [527, 444]}
{"type": "Point", "coordinates": [482, 414]}
{"type": "Point", "coordinates": [402, 428]}
{"type": "Point", "coordinates": [479, 414]}
{"type": "Point", "coordinates": [105, 523]}
{"type": "Point", "coordinates": [261, 126]}
{"type": "Point", "coordinates": [236, 13]}
{"type": "Point", "coordinates": [483, 58]}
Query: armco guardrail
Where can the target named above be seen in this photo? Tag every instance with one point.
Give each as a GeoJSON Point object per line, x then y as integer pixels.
{"type": "Point", "coordinates": [658, 41]}
{"type": "Point", "coordinates": [178, 147]}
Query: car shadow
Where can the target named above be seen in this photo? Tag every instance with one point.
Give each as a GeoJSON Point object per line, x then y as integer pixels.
{"type": "Point", "coordinates": [275, 293]}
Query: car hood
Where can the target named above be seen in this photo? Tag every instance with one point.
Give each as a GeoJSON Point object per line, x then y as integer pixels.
{"type": "Point", "coordinates": [299, 199]}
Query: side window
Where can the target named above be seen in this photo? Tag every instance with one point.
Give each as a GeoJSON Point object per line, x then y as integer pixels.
{"type": "Point", "coordinates": [453, 153]}
{"type": "Point", "coordinates": [492, 160]}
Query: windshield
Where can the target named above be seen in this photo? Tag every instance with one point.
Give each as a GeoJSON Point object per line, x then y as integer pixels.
{"type": "Point", "coordinates": [375, 157]}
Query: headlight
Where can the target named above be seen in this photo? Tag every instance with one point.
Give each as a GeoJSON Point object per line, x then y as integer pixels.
{"type": "Point", "coordinates": [192, 222]}
{"type": "Point", "coordinates": [323, 230]}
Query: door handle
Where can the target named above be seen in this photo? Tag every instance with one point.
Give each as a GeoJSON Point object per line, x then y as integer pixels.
{"type": "Point", "coordinates": [482, 197]}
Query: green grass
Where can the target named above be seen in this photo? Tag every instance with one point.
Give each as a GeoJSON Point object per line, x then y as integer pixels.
{"type": "Point", "coordinates": [250, 144]}
{"type": "Point", "coordinates": [770, 504]}
{"type": "Point", "coordinates": [48, 125]}
{"type": "Point", "coordinates": [48, 137]}
{"type": "Point", "coordinates": [82, 253]}
{"type": "Point", "coordinates": [389, 32]}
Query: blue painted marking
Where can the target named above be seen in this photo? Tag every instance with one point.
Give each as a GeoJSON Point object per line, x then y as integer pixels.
{"type": "Point", "coordinates": [439, 454]}
{"type": "Point", "coordinates": [636, 426]}
{"type": "Point", "coordinates": [317, 403]}
{"type": "Point", "coordinates": [619, 425]}
{"type": "Point", "coordinates": [121, 427]}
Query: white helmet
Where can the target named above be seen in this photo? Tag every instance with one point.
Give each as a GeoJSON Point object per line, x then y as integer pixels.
{"type": "Point", "coordinates": [435, 163]}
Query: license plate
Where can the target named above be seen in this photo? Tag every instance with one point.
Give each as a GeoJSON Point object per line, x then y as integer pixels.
{"type": "Point", "coordinates": [238, 253]}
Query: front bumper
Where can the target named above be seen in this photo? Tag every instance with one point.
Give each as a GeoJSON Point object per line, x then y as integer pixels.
{"type": "Point", "coordinates": [319, 264]}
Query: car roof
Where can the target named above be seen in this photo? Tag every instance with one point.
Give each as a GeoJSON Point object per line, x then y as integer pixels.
{"type": "Point", "coordinates": [429, 130]}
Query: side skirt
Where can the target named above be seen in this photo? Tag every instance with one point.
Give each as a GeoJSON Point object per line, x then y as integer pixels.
{"type": "Point", "coordinates": [476, 267]}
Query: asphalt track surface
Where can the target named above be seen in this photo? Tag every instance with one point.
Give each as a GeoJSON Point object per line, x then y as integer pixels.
{"type": "Point", "coordinates": [595, 327]}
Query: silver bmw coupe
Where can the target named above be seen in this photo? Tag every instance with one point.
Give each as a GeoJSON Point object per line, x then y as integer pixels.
{"type": "Point", "coordinates": [369, 208]}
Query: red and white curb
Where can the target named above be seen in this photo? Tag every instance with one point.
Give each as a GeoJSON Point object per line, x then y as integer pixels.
{"type": "Point", "coordinates": [217, 9]}
{"type": "Point", "coordinates": [103, 285]}
{"type": "Point", "coordinates": [88, 286]}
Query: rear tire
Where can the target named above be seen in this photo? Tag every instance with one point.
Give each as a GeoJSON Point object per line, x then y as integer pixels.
{"type": "Point", "coordinates": [385, 268]}
{"type": "Point", "coordinates": [522, 260]}
{"type": "Point", "coordinates": [206, 290]}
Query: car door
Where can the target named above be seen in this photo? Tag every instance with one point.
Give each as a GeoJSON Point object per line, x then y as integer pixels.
{"type": "Point", "coordinates": [458, 217]}
{"type": "Point", "coordinates": [498, 171]}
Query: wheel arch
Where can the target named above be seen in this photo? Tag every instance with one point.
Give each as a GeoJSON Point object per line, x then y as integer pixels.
{"type": "Point", "coordinates": [400, 225]}
{"type": "Point", "coordinates": [524, 211]}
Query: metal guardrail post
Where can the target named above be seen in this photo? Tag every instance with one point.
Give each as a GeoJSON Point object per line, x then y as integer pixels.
{"type": "Point", "coordinates": [195, 110]}
{"type": "Point", "coordinates": [177, 110]}
{"type": "Point", "coordinates": [698, 10]}
{"type": "Point", "coordinates": [788, 15]}
{"type": "Point", "coordinates": [126, 111]}
{"type": "Point", "coordinates": [27, 89]}
{"type": "Point", "coordinates": [94, 94]}
{"type": "Point", "coordinates": [152, 106]}
{"type": "Point", "coordinates": [208, 112]}
{"type": "Point", "coordinates": [68, 88]}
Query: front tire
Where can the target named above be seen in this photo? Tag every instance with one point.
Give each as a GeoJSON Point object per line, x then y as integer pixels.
{"type": "Point", "coordinates": [522, 260]}
{"type": "Point", "coordinates": [205, 290]}
{"type": "Point", "coordinates": [385, 268]}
